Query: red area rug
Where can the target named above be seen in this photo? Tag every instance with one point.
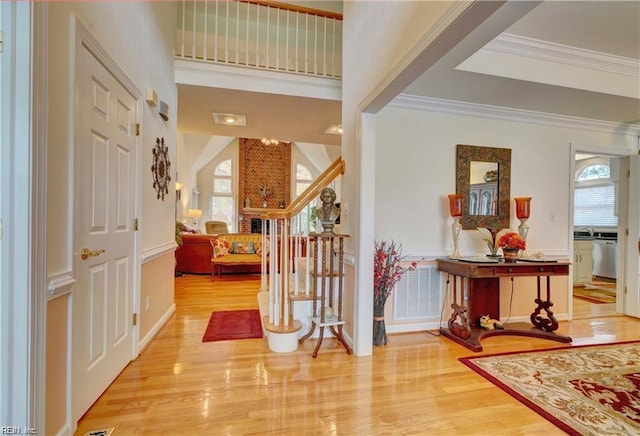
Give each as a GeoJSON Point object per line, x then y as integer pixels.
{"type": "Point", "coordinates": [584, 390]}
{"type": "Point", "coordinates": [233, 324]}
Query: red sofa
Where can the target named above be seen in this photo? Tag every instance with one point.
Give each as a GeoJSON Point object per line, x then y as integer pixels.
{"type": "Point", "coordinates": [194, 255]}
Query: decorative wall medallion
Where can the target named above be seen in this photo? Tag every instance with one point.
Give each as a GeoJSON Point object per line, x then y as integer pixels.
{"type": "Point", "coordinates": [161, 168]}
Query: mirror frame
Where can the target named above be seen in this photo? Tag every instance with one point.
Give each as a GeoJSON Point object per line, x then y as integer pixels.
{"type": "Point", "coordinates": [465, 154]}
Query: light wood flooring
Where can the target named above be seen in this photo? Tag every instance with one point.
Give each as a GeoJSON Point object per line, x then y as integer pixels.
{"type": "Point", "coordinates": [583, 309]}
{"type": "Point", "coordinates": [415, 385]}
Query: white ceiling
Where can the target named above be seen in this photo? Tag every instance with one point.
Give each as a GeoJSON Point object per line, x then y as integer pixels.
{"type": "Point", "coordinates": [544, 76]}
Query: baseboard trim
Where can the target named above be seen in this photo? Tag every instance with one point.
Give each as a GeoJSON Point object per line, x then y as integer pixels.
{"type": "Point", "coordinates": [144, 342]}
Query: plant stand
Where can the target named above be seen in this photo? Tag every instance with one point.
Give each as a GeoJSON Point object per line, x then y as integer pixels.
{"type": "Point", "coordinates": [327, 289]}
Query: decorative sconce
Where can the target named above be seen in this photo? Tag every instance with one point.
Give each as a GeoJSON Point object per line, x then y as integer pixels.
{"type": "Point", "coordinates": [455, 209]}
{"type": "Point", "coordinates": [195, 214]}
{"type": "Point", "coordinates": [265, 192]}
{"type": "Point", "coordinates": [523, 209]}
{"type": "Point", "coordinates": [179, 187]}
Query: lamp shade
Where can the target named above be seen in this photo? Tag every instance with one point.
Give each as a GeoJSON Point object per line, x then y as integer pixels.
{"type": "Point", "coordinates": [179, 186]}
{"type": "Point", "coordinates": [194, 213]}
{"type": "Point", "coordinates": [455, 205]}
{"type": "Point", "coordinates": [523, 207]}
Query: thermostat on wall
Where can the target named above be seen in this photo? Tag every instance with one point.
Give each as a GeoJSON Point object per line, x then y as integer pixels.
{"type": "Point", "coordinates": [163, 110]}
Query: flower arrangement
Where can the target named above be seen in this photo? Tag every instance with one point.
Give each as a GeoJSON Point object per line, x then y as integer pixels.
{"type": "Point", "coordinates": [512, 240]}
{"type": "Point", "coordinates": [387, 271]}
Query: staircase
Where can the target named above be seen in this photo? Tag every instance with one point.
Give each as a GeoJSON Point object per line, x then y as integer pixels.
{"type": "Point", "coordinates": [290, 230]}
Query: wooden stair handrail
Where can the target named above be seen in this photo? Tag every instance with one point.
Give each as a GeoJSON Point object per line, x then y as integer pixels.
{"type": "Point", "coordinates": [313, 190]}
{"type": "Point", "coordinates": [294, 8]}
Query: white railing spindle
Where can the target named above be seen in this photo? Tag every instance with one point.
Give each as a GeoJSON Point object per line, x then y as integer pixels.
{"type": "Point", "coordinates": [292, 36]}
{"type": "Point", "coordinates": [246, 54]}
{"type": "Point", "coordinates": [237, 33]}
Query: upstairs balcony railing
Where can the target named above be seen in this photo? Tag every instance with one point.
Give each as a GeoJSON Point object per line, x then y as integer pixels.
{"type": "Point", "coordinates": [261, 34]}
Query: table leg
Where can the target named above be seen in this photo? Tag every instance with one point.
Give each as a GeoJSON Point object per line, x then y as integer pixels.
{"type": "Point", "coordinates": [338, 335]}
{"type": "Point", "coordinates": [548, 323]}
{"type": "Point", "coordinates": [458, 323]}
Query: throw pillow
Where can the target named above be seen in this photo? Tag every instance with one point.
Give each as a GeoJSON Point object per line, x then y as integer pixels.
{"type": "Point", "coordinates": [243, 248]}
{"type": "Point", "coordinates": [220, 247]}
{"type": "Point", "coordinates": [259, 247]}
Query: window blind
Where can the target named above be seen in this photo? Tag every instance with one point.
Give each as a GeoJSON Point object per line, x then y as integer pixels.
{"type": "Point", "coordinates": [595, 206]}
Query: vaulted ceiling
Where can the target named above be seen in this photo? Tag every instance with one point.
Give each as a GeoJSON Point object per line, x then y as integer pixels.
{"type": "Point", "coordinates": [574, 58]}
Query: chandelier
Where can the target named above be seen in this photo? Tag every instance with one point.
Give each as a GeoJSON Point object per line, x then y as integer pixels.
{"type": "Point", "coordinates": [270, 141]}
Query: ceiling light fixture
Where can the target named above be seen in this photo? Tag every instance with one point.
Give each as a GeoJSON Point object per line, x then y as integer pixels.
{"type": "Point", "coordinates": [229, 119]}
{"type": "Point", "coordinates": [334, 129]}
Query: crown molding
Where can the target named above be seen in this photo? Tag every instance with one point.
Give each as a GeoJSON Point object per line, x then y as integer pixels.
{"type": "Point", "coordinates": [578, 57]}
{"type": "Point", "coordinates": [450, 16]}
{"type": "Point", "coordinates": [415, 102]}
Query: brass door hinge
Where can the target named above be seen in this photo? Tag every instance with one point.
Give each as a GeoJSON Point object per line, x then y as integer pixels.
{"type": "Point", "coordinates": [135, 319]}
{"type": "Point", "coordinates": [1, 41]}
{"type": "Point", "coordinates": [135, 224]}
{"type": "Point", "coordinates": [625, 290]}
{"type": "Point", "coordinates": [137, 129]}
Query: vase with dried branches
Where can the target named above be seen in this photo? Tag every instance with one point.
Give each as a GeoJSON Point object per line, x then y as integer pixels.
{"type": "Point", "coordinates": [387, 271]}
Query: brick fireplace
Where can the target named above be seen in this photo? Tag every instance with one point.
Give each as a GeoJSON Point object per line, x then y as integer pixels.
{"type": "Point", "coordinates": [263, 166]}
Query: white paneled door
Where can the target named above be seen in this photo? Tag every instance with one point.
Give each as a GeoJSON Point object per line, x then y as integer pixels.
{"type": "Point", "coordinates": [104, 230]}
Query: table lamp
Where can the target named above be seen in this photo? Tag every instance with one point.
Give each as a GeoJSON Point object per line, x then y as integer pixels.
{"type": "Point", "coordinates": [455, 209]}
{"type": "Point", "coordinates": [195, 214]}
{"type": "Point", "coordinates": [523, 209]}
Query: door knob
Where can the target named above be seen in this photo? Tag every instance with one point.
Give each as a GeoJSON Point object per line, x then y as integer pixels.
{"type": "Point", "coordinates": [86, 253]}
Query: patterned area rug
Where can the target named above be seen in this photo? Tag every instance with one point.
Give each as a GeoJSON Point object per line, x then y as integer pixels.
{"type": "Point", "coordinates": [595, 294]}
{"type": "Point", "coordinates": [585, 390]}
{"type": "Point", "coordinates": [233, 324]}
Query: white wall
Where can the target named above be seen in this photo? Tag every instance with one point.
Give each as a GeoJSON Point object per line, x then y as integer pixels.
{"type": "Point", "coordinates": [416, 169]}
{"type": "Point", "coordinates": [139, 36]}
{"type": "Point", "coordinates": [377, 35]}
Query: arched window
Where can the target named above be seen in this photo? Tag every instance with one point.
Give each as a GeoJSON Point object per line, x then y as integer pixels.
{"type": "Point", "coordinates": [595, 195]}
{"type": "Point", "coordinates": [222, 199]}
{"type": "Point", "coordinates": [303, 178]}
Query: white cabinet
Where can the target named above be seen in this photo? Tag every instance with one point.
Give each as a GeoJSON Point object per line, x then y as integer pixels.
{"type": "Point", "coordinates": [582, 261]}
{"type": "Point", "coordinates": [483, 198]}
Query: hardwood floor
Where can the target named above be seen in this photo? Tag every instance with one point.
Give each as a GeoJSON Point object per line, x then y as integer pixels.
{"type": "Point", "coordinates": [583, 309]}
{"type": "Point", "coordinates": [414, 385]}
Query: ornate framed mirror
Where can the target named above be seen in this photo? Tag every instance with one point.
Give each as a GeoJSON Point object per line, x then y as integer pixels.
{"type": "Point", "coordinates": [483, 177]}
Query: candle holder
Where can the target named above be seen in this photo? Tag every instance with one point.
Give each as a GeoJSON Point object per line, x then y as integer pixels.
{"type": "Point", "coordinates": [455, 209]}
{"type": "Point", "coordinates": [523, 209]}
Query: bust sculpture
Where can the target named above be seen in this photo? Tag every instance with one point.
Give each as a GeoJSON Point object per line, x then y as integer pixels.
{"type": "Point", "coordinates": [328, 212]}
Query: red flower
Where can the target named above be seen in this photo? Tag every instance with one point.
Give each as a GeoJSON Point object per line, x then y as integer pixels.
{"type": "Point", "coordinates": [512, 240]}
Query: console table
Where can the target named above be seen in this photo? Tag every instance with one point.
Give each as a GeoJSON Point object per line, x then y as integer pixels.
{"type": "Point", "coordinates": [476, 292]}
